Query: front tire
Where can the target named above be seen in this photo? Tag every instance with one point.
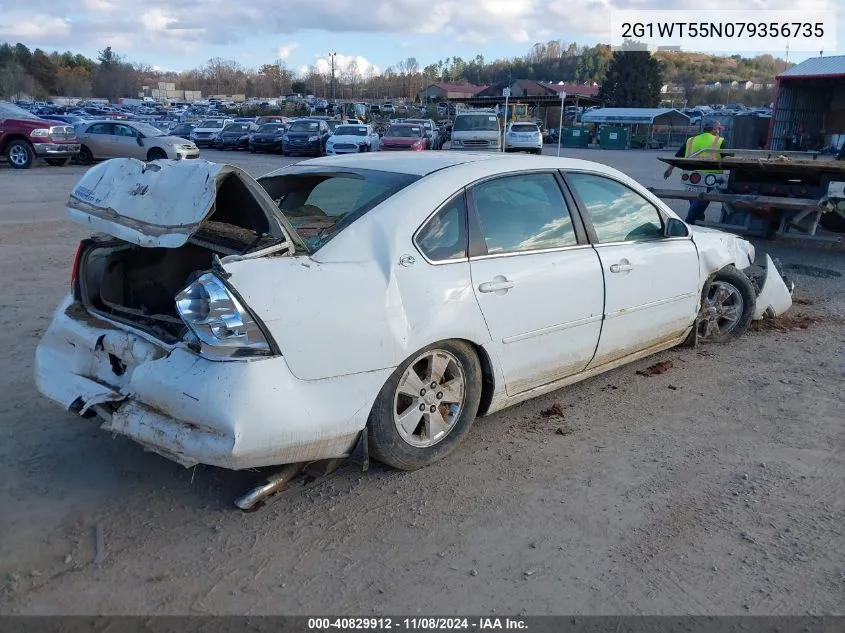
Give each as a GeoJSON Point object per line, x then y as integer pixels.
{"type": "Point", "coordinates": [20, 154]}
{"type": "Point", "coordinates": [727, 306]}
{"type": "Point", "coordinates": [156, 153]}
{"type": "Point", "coordinates": [426, 407]}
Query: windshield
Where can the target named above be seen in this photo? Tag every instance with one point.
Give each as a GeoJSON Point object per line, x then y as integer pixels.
{"type": "Point", "coordinates": [304, 126]}
{"type": "Point", "coordinates": [11, 111]}
{"type": "Point", "coordinates": [236, 127]}
{"type": "Point", "coordinates": [404, 131]}
{"type": "Point", "coordinates": [148, 130]}
{"type": "Point", "coordinates": [350, 130]}
{"type": "Point", "coordinates": [270, 128]}
{"type": "Point", "coordinates": [320, 204]}
{"type": "Point", "coordinates": [210, 123]}
{"type": "Point", "coordinates": [524, 127]}
{"type": "Point", "coordinates": [267, 119]}
{"type": "Point", "coordinates": [476, 123]}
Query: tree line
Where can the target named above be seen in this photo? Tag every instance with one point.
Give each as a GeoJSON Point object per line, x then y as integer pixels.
{"type": "Point", "coordinates": [40, 74]}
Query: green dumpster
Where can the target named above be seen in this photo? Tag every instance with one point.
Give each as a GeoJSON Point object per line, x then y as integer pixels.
{"type": "Point", "coordinates": [575, 137]}
{"type": "Point", "coordinates": [613, 138]}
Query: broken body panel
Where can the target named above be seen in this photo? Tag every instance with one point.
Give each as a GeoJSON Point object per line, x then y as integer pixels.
{"type": "Point", "coordinates": [308, 399]}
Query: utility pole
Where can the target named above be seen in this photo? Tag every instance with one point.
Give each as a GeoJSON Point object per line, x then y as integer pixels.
{"type": "Point", "coordinates": [332, 55]}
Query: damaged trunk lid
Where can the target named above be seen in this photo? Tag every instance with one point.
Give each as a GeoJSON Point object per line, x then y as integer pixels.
{"type": "Point", "coordinates": [164, 203]}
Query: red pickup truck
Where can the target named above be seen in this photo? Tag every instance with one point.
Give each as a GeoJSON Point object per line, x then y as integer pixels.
{"type": "Point", "coordinates": [24, 138]}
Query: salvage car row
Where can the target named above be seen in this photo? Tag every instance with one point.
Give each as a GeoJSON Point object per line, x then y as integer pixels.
{"type": "Point", "coordinates": [24, 138]}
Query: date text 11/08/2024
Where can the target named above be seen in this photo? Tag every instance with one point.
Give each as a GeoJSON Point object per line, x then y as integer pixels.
{"type": "Point", "coordinates": [415, 624]}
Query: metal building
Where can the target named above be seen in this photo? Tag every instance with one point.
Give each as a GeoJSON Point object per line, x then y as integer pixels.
{"type": "Point", "coordinates": [809, 112]}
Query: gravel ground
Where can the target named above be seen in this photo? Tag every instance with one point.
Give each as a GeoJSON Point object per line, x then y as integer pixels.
{"type": "Point", "coordinates": [713, 488]}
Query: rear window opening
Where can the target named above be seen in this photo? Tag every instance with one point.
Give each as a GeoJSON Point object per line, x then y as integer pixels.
{"type": "Point", "coordinates": [319, 205]}
{"type": "Point", "coordinates": [237, 223]}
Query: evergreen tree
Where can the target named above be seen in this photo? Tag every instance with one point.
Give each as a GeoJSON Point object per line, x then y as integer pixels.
{"type": "Point", "coordinates": [633, 80]}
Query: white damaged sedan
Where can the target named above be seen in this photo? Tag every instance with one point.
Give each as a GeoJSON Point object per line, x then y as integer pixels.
{"type": "Point", "coordinates": [373, 302]}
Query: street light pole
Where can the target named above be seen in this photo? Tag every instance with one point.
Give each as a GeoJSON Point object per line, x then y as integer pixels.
{"type": "Point", "coordinates": [560, 127]}
{"type": "Point", "coordinates": [332, 55]}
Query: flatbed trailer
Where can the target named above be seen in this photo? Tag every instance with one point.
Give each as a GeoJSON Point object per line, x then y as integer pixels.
{"type": "Point", "coordinates": [767, 194]}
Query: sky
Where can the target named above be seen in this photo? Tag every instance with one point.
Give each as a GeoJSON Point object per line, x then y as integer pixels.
{"type": "Point", "coordinates": [182, 34]}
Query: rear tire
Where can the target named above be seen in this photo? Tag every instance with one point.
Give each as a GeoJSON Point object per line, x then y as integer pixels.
{"type": "Point", "coordinates": [20, 154]}
{"type": "Point", "coordinates": [433, 420]}
{"type": "Point", "coordinates": [727, 306]}
{"type": "Point", "coordinates": [84, 157]}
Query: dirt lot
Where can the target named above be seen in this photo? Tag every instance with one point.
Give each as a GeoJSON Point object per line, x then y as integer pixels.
{"type": "Point", "coordinates": [715, 487]}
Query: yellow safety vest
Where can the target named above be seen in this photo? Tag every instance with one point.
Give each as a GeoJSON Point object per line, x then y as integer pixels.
{"type": "Point", "coordinates": [701, 142]}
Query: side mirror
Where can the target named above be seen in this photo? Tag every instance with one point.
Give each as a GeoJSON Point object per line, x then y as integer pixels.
{"type": "Point", "coordinates": [676, 228]}
{"type": "Point", "coordinates": [140, 140]}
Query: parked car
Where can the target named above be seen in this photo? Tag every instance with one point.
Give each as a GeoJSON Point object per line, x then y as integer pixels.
{"type": "Point", "coordinates": [432, 134]}
{"type": "Point", "coordinates": [476, 131]}
{"type": "Point", "coordinates": [263, 120]}
{"type": "Point", "coordinates": [63, 118]}
{"type": "Point", "coordinates": [233, 136]}
{"type": "Point", "coordinates": [130, 139]}
{"type": "Point", "coordinates": [182, 130]}
{"type": "Point", "coordinates": [523, 137]}
{"type": "Point", "coordinates": [268, 138]}
{"type": "Point", "coordinates": [236, 362]}
{"type": "Point", "coordinates": [333, 125]}
{"type": "Point", "coordinates": [351, 139]}
{"type": "Point", "coordinates": [206, 131]}
{"type": "Point", "coordinates": [24, 138]}
{"type": "Point", "coordinates": [403, 137]}
{"type": "Point", "coordinates": [387, 108]}
{"type": "Point", "coordinates": [306, 136]}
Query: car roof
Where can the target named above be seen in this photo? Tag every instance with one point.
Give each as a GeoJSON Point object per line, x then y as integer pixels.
{"type": "Point", "coordinates": [424, 163]}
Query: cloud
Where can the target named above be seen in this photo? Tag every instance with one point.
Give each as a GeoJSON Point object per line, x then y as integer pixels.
{"type": "Point", "coordinates": [19, 26]}
{"type": "Point", "coordinates": [176, 27]}
{"type": "Point", "coordinates": [323, 65]}
{"type": "Point", "coordinates": [283, 52]}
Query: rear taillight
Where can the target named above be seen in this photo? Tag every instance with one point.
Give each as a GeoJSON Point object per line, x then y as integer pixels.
{"type": "Point", "coordinates": [74, 273]}
{"type": "Point", "coordinates": [695, 178]}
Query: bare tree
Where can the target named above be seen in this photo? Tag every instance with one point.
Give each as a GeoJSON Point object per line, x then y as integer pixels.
{"type": "Point", "coordinates": [352, 76]}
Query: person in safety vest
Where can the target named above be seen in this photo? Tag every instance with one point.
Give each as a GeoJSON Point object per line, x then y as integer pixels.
{"type": "Point", "coordinates": [709, 139]}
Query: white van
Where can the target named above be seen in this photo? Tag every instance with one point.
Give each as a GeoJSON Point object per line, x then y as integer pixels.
{"type": "Point", "coordinates": [476, 131]}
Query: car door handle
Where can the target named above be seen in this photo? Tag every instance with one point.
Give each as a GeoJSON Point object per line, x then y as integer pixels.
{"type": "Point", "coordinates": [622, 267]}
{"type": "Point", "coordinates": [499, 284]}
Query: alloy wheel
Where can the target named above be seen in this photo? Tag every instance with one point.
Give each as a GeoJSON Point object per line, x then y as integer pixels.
{"type": "Point", "coordinates": [429, 398]}
{"type": "Point", "coordinates": [18, 156]}
{"type": "Point", "coordinates": [721, 310]}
